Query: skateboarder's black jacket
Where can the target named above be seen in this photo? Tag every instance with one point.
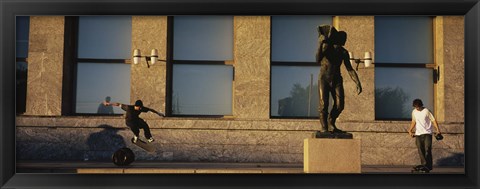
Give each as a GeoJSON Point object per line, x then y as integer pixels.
{"type": "Point", "coordinates": [132, 114]}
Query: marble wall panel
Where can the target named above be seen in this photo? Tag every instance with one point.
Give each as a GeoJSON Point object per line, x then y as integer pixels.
{"type": "Point", "coordinates": [229, 124]}
{"type": "Point", "coordinates": [173, 144]}
{"type": "Point", "coordinates": [402, 140]}
{"type": "Point", "coordinates": [149, 84]}
{"type": "Point", "coordinates": [454, 76]}
{"type": "Point", "coordinates": [360, 39]}
{"type": "Point", "coordinates": [252, 67]}
{"type": "Point", "coordinates": [45, 65]}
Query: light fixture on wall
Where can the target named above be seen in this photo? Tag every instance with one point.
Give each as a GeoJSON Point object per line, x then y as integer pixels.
{"type": "Point", "coordinates": [367, 60]}
{"type": "Point", "coordinates": [137, 57]}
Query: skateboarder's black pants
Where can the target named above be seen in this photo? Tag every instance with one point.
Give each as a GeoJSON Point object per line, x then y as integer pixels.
{"type": "Point", "coordinates": [135, 126]}
{"type": "Point", "coordinates": [424, 145]}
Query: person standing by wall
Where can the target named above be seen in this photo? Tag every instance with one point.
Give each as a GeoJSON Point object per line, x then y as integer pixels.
{"type": "Point", "coordinates": [422, 121]}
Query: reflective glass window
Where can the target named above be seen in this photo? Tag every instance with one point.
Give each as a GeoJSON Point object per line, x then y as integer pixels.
{"type": "Point", "coordinates": [104, 44]}
{"type": "Point", "coordinates": [97, 82]}
{"type": "Point", "coordinates": [294, 72]}
{"type": "Point", "coordinates": [398, 87]}
{"type": "Point", "coordinates": [202, 89]}
{"type": "Point", "coordinates": [22, 30]}
{"type": "Point", "coordinates": [202, 81]}
{"type": "Point", "coordinates": [403, 48]}
{"type": "Point", "coordinates": [203, 38]}
{"type": "Point", "coordinates": [105, 37]}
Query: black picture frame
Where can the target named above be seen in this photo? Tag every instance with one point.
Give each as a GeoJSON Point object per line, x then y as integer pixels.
{"type": "Point", "coordinates": [9, 9]}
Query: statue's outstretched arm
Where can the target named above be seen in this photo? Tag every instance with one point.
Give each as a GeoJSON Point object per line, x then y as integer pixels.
{"type": "Point", "coordinates": [351, 71]}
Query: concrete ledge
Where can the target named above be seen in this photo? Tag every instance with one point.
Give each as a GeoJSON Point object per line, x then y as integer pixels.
{"type": "Point", "coordinates": [332, 156]}
{"type": "Point", "coordinates": [224, 171]}
{"type": "Point", "coordinates": [225, 124]}
{"type": "Point", "coordinates": [100, 171]}
{"type": "Point", "coordinates": [158, 171]}
{"type": "Point", "coordinates": [183, 171]}
{"type": "Point", "coordinates": [155, 167]}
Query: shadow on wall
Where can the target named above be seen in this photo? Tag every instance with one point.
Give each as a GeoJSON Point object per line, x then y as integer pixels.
{"type": "Point", "coordinates": [101, 145]}
{"type": "Point", "coordinates": [457, 159]}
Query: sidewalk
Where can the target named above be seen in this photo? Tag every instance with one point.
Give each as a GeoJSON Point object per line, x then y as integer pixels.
{"type": "Point", "coordinates": [155, 167]}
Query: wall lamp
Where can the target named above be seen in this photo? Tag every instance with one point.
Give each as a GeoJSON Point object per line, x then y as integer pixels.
{"type": "Point", "coordinates": [137, 57]}
{"type": "Point", "coordinates": [367, 60]}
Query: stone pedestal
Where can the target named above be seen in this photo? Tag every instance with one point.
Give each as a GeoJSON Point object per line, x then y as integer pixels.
{"type": "Point", "coordinates": [331, 156]}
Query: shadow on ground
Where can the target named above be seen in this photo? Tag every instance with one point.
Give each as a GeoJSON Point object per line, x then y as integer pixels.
{"type": "Point", "coordinates": [457, 159]}
{"type": "Point", "coordinates": [101, 145]}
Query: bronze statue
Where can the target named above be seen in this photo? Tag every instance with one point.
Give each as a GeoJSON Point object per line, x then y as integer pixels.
{"type": "Point", "coordinates": [330, 56]}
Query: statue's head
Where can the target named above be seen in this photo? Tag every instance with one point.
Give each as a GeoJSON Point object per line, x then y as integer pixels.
{"type": "Point", "coordinates": [327, 30]}
{"type": "Point", "coordinates": [341, 38]}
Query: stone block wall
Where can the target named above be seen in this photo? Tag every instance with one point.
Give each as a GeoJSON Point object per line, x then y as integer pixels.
{"type": "Point", "coordinates": [149, 32]}
{"type": "Point", "coordinates": [252, 67]}
{"type": "Point", "coordinates": [454, 68]}
{"type": "Point", "coordinates": [250, 135]}
{"type": "Point", "coordinates": [360, 32]}
{"type": "Point", "coordinates": [45, 65]}
{"type": "Point", "coordinates": [217, 140]}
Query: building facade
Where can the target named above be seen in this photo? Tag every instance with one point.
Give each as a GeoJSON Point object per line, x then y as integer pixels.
{"type": "Point", "coordinates": [229, 86]}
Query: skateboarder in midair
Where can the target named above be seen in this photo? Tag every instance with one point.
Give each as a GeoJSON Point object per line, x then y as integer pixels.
{"type": "Point", "coordinates": [133, 120]}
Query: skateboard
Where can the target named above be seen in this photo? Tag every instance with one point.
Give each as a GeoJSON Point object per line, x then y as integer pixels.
{"type": "Point", "coordinates": [144, 145]}
{"type": "Point", "coordinates": [420, 169]}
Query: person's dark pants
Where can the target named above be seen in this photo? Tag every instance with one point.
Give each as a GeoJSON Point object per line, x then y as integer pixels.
{"type": "Point", "coordinates": [424, 145]}
{"type": "Point", "coordinates": [140, 124]}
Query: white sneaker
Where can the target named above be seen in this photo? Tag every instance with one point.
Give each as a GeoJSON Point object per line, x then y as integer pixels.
{"type": "Point", "coordinates": [135, 138]}
{"type": "Point", "coordinates": [150, 139]}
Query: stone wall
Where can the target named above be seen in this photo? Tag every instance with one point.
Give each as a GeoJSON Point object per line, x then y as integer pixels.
{"type": "Point", "coordinates": [149, 32]}
{"type": "Point", "coordinates": [449, 58]}
{"type": "Point", "coordinates": [360, 32]}
{"type": "Point", "coordinates": [45, 65]}
{"type": "Point", "coordinates": [252, 67]}
{"type": "Point", "coordinates": [218, 140]}
{"type": "Point", "coordinates": [454, 71]}
{"type": "Point", "coordinates": [250, 135]}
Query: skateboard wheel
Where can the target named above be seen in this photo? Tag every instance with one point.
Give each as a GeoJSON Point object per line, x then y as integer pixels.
{"type": "Point", "coordinates": [123, 157]}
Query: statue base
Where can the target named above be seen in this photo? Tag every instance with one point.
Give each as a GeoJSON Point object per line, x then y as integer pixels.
{"type": "Point", "coordinates": [327, 155]}
{"type": "Point", "coordinates": [337, 135]}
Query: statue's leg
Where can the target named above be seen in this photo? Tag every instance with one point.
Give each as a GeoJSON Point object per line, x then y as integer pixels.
{"type": "Point", "coordinates": [323, 105]}
{"type": "Point", "coordinates": [333, 112]}
{"type": "Point", "coordinates": [338, 106]}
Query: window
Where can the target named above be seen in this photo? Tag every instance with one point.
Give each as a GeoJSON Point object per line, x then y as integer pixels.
{"type": "Point", "coordinates": [104, 45]}
{"type": "Point", "coordinates": [202, 75]}
{"type": "Point", "coordinates": [294, 71]}
{"type": "Point", "coordinates": [21, 53]}
{"type": "Point", "coordinates": [403, 61]}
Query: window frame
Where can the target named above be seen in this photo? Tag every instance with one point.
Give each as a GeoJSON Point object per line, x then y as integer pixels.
{"type": "Point", "coordinates": [71, 62]}
{"type": "Point", "coordinates": [432, 66]}
{"type": "Point", "coordinates": [21, 59]}
{"type": "Point", "coordinates": [171, 61]}
{"type": "Point", "coordinates": [292, 64]}
{"type": "Point", "coordinates": [288, 63]}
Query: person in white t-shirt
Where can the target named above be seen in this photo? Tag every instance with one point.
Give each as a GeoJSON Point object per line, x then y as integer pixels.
{"type": "Point", "coordinates": [422, 121]}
